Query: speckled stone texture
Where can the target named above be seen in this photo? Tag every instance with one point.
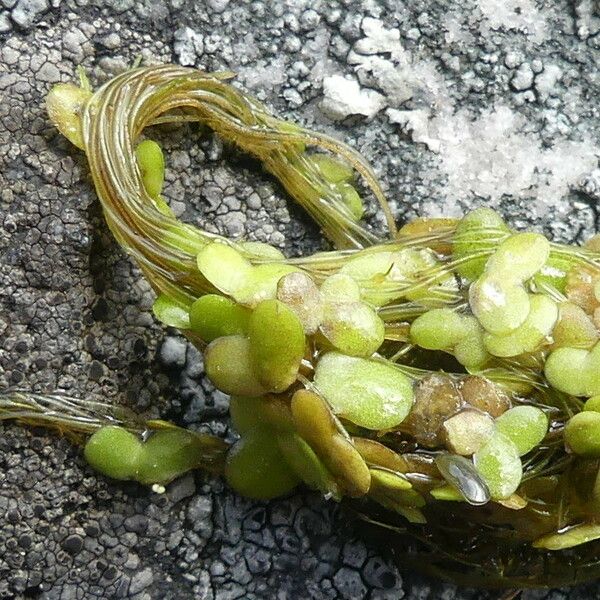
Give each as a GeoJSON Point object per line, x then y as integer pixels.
{"type": "Point", "coordinates": [456, 104]}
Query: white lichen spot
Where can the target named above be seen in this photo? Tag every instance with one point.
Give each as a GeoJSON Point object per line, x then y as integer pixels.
{"type": "Point", "coordinates": [379, 40]}
{"type": "Point", "coordinates": [188, 46]}
{"type": "Point", "coordinates": [513, 15]}
{"type": "Point", "coordinates": [415, 122]}
{"type": "Point", "coordinates": [456, 29]}
{"type": "Point", "coordinates": [345, 97]}
{"type": "Point", "coordinates": [380, 56]}
{"type": "Point", "coordinates": [588, 18]}
{"type": "Point", "coordinates": [546, 81]}
{"type": "Point", "coordinates": [264, 74]}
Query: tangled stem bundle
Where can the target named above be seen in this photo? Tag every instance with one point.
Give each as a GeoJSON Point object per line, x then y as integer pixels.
{"type": "Point", "coordinates": [430, 378]}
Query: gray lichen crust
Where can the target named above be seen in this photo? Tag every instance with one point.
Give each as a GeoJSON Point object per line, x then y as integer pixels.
{"type": "Point", "coordinates": [455, 104]}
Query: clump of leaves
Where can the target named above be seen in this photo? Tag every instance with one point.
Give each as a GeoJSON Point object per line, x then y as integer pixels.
{"type": "Point", "coordinates": [334, 359]}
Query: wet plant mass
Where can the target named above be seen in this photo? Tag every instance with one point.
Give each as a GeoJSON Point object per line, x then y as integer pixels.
{"type": "Point", "coordinates": [491, 470]}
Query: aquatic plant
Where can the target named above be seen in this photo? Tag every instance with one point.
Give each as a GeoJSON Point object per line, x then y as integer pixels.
{"type": "Point", "coordinates": [433, 378]}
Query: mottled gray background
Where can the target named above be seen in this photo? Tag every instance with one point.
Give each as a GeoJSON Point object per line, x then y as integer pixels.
{"type": "Point", "coordinates": [455, 103]}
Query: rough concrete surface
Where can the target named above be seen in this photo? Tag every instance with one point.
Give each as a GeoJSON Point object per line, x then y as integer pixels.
{"type": "Point", "coordinates": [456, 104]}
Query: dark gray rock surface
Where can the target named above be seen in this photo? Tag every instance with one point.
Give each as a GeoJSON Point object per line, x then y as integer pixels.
{"type": "Point", "coordinates": [456, 104]}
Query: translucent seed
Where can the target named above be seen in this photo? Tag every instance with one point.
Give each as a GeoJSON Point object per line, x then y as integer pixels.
{"type": "Point", "coordinates": [113, 451]}
{"type": "Point", "coordinates": [538, 325]}
{"type": "Point", "coordinates": [393, 491]}
{"type": "Point", "coordinates": [568, 370]}
{"type": "Point", "coordinates": [262, 250]}
{"type": "Point", "coordinates": [306, 464]}
{"type": "Point", "coordinates": [438, 329]}
{"type": "Point", "coordinates": [385, 275]}
{"type": "Point", "coordinates": [485, 395]}
{"type": "Point", "coordinates": [151, 162]}
{"type": "Point", "coordinates": [229, 365]}
{"type": "Point", "coordinates": [498, 298]}
{"type": "Point", "coordinates": [353, 328]}
{"type": "Point", "coordinates": [266, 411]}
{"type": "Point", "coordinates": [419, 266]}
{"type": "Point", "coordinates": [520, 256]}
{"type": "Point", "coordinates": [470, 351]}
{"type": "Point", "coordinates": [478, 231]}
{"type": "Point", "coordinates": [445, 329]}
{"type": "Point", "coordinates": [277, 344]}
{"type": "Point", "coordinates": [332, 169]}
{"type": "Point", "coordinates": [574, 329]}
{"type": "Point", "coordinates": [313, 418]}
{"type": "Point", "coordinates": [425, 227]}
{"type": "Point", "coordinates": [466, 432]}
{"type": "Point", "coordinates": [168, 454]}
{"type": "Point", "coordinates": [315, 425]}
{"type": "Point", "coordinates": [371, 265]}
{"type": "Point", "coordinates": [462, 475]}
{"type": "Point", "coordinates": [214, 316]}
{"type": "Point", "coordinates": [499, 306]}
{"type": "Point", "coordinates": [499, 465]}
{"type": "Point", "coordinates": [392, 482]}
{"type": "Point", "coordinates": [569, 538]}
{"type": "Point", "coordinates": [373, 270]}
{"type": "Point", "coordinates": [513, 502]}
{"type": "Point", "coordinates": [170, 312]}
{"type": "Point", "coordinates": [376, 454]}
{"type": "Point", "coordinates": [424, 265]}
{"type": "Point", "coordinates": [436, 399]}
{"type": "Point", "coordinates": [255, 467]}
{"type": "Point", "coordinates": [592, 404]}
{"type": "Point", "coordinates": [340, 288]}
{"type": "Point", "coordinates": [447, 493]}
{"type": "Point", "coordinates": [347, 465]}
{"type": "Point", "coordinates": [370, 393]}
{"type": "Point", "coordinates": [261, 283]}
{"type": "Point", "coordinates": [224, 267]}
{"type": "Point", "coordinates": [65, 103]}
{"type": "Point", "coordinates": [352, 200]}
{"type": "Point", "coordinates": [525, 426]}
{"type": "Point", "coordinates": [582, 434]}
{"type": "Point", "coordinates": [300, 293]}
